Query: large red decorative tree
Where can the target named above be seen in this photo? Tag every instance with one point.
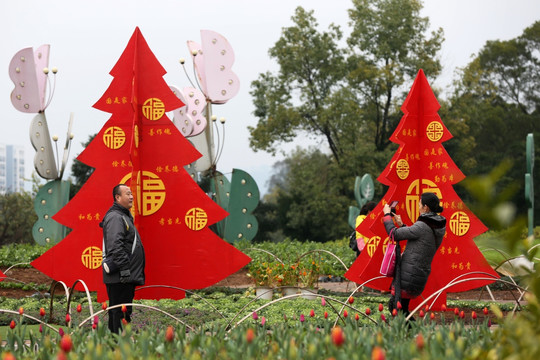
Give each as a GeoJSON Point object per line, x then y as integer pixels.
{"type": "Point", "coordinates": [140, 146]}
{"type": "Point", "coordinates": [421, 164]}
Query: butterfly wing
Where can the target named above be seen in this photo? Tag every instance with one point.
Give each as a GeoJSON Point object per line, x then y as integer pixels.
{"type": "Point", "coordinates": [181, 118]}
{"type": "Point", "coordinates": [29, 93]}
{"type": "Point", "coordinates": [44, 161]}
{"type": "Point", "coordinates": [222, 83]}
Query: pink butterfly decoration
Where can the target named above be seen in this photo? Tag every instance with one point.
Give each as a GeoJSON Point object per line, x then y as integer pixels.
{"type": "Point", "coordinates": [213, 64]}
{"type": "Point", "coordinates": [190, 119]}
{"type": "Point", "coordinates": [26, 72]}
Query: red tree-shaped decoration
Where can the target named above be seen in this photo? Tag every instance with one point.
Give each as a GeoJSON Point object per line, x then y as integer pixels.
{"type": "Point", "coordinates": [421, 164]}
{"type": "Point", "coordinates": [141, 147]}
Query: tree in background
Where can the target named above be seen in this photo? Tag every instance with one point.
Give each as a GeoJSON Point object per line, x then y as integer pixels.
{"type": "Point", "coordinates": [497, 102]}
{"type": "Point", "coordinates": [17, 217]}
{"type": "Point", "coordinates": [80, 171]}
{"type": "Point", "coordinates": [347, 99]}
{"type": "Point", "coordinates": [305, 203]}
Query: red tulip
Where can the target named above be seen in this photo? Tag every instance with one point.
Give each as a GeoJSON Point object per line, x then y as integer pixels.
{"type": "Point", "coordinates": [486, 311]}
{"type": "Point", "coordinates": [356, 317]}
{"type": "Point", "coordinates": [383, 318]}
{"type": "Point", "coordinates": [420, 343]}
{"type": "Point", "coordinates": [338, 337]}
{"type": "Point", "coordinates": [79, 308]}
{"type": "Point", "coordinates": [432, 316]}
{"type": "Point", "coordinates": [399, 305]}
{"type": "Point", "coordinates": [462, 314]}
{"type": "Point", "coordinates": [21, 311]}
{"type": "Point", "coordinates": [381, 307]}
{"type": "Point", "coordinates": [394, 312]}
{"type": "Point", "coordinates": [41, 312]}
{"type": "Point", "coordinates": [124, 309]}
{"type": "Point", "coordinates": [473, 315]}
{"type": "Point", "coordinates": [8, 356]}
{"type": "Point", "coordinates": [326, 315]}
{"type": "Point", "coordinates": [66, 344]}
{"type": "Point", "coordinates": [124, 322]}
{"type": "Point", "coordinates": [351, 299]}
{"type": "Point", "coordinates": [312, 313]}
{"type": "Point", "coordinates": [40, 328]}
{"type": "Point", "coordinates": [302, 318]}
{"type": "Point", "coordinates": [368, 311]}
{"type": "Point", "coordinates": [421, 313]}
{"type": "Point", "coordinates": [169, 334]}
{"type": "Point", "coordinates": [443, 307]}
{"type": "Point", "coordinates": [345, 313]}
{"type": "Point", "coordinates": [255, 316]}
{"type": "Point", "coordinates": [104, 305]}
{"type": "Point", "coordinates": [377, 354]}
{"type": "Point", "coordinates": [426, 307]}
{"type": "Point", "coordinates": [456, 311]}
{"type": "Point", "coordinates": [94, 326]}
{"type": "Point", "coordinates": [68, 318]}
{"type": "Point", "coordinates": [12, 324]}
{"type": "Point", "coordinates": [60, 332]}
{"type": "Point", "coordinates": [250, 335]}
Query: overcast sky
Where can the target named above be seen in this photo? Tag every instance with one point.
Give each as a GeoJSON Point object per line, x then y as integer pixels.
{"type": "Point", "coordinates": [87, 38]}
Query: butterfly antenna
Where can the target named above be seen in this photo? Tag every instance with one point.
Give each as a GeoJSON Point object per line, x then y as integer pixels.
{"type": "Point", "coordinates": [51, 87]}
{"type": "Point", "coordinates": [193, 54]}
{"type": "Point", "coordinates": [218, 141]}
{"type": "Point", "coordinates": [183, 63]}
{"type": "Point", "coordinates": [221, 145]}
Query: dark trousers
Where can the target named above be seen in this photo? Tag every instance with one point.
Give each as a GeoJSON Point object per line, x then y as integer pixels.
{"type": "Point", "coordinates": [404, 305]}
{"type": "Point", "coordinates": [119, 294]}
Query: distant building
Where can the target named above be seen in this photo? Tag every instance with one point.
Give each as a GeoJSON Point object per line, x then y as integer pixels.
{"type": "Point", "coordinates": [11, 168]}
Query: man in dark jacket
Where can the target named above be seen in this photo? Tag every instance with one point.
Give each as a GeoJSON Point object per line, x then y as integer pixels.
{"type": "Point", "coordinates": [123, 256]}
{"type": "Point", "coordinates": [423, 239]}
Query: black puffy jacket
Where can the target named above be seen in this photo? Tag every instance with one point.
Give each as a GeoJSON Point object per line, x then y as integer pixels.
{"type": "Point", "coordinates": [118, 236]}
{"type": "Point", "coordinates": [424, 238]}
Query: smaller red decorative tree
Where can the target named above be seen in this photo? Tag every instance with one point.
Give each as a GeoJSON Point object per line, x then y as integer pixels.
{"type": "Point", "coordinates": [421, 164]}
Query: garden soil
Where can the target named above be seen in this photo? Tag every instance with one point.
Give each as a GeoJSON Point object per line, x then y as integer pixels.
{"type": "Point", "coordinates": [236, 280]}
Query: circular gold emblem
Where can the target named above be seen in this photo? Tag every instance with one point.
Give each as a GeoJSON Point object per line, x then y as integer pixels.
{"type": "Point", "coordinates": [402, 169]}
{"type": "Point", "coordinates": [114, 137]}
{"type": "Point", "coordinates": [434, 131]}
{"type": "Point", "coordinates": [91, 257]}
{"type": "Point", "coordinates": [153, 109]}
{"type": "Point", "coordinates": [460, 223]}
{"type": "Point", "coordinates": [149, 192]}
{"type": "Point", "coordinates": [196, 219]}
{"type": "Point", "coordinates": [372, 244]}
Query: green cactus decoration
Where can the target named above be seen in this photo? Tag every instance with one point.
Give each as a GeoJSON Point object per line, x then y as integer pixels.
{"type": "Point", "coordinates": [239, 197]}
{"type": "Point", "coordinates": [364, 190]}
{"type": "Point", "coordinates": [221, 189]}
{"type": "Point", "coordinates": [50, 198]}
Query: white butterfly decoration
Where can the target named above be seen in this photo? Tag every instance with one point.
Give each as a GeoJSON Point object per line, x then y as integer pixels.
{"type": "Point", "coordinates": [212, 60]}
{"type": "Point", "coordinates": [28, 71]}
